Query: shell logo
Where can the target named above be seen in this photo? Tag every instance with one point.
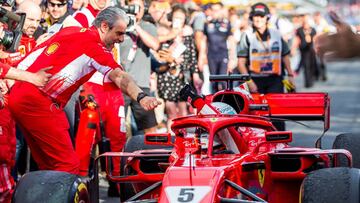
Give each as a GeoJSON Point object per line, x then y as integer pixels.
{"type": "Point", "coordinates": [52, 48]}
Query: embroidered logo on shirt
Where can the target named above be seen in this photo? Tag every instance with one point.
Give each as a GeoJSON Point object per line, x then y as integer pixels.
{"type": "Point", "coordinates": [52, 48]}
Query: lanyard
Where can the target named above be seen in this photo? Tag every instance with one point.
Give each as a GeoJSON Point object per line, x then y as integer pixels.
{"type": "Point", "coordinates": [265, 46]}
{"type": "Point", "coordinates": [134, 39]}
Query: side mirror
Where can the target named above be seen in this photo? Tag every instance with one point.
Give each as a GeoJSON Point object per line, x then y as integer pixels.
{"type": "Point", "coordinates": [278, 136]}
{"type": "Point", "coordinates": [158, 139]}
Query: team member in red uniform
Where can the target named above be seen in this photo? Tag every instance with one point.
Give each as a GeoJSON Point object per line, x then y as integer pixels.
{"type": "Point", "coordinates": [27, 41]}
{"type": "Point", "coordinates": [7, 127]}
{"type": "Point", "coordinates": [86, 16]}
{"type": "Point", "coordinates": [7, 151]}
{"type": "Point", "coordinates": [38, 79]}
{"type": "Point", "coordinates": [111, 101]}
{"type": "Point", "coordinates": [39, 110]}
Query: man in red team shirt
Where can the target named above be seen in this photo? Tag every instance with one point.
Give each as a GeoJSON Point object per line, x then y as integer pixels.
{"type": "Point", "coordinates": [111, 101]}
{"type": "Point", "coordinates": [86, 16]}
{"type": "Point", "coordinates": [75, 54]}
{"type": "Point", "coordinates": [7, 126]}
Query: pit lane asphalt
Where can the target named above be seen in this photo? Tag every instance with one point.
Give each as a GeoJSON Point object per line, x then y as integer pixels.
{"type": "Point", "coordinates": [343, 86]}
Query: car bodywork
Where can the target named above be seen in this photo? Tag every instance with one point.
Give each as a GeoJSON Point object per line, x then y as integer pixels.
{"type": "Point", "coordinates": [230, 158]}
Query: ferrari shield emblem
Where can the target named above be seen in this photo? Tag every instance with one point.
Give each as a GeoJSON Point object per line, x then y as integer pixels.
{"type": "Point", "coordinates": [52, 48]}
{"type": "Point", "coordinates": [261, 175]}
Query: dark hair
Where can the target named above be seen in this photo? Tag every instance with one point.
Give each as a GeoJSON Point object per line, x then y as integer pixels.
{"type": "Point", "coordinates": [110, 14]}
{"type": "Point", "coordinates": [178, 7]}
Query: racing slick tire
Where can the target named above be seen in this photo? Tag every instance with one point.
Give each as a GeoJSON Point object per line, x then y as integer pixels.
{"type": "Point", "coordinates": [350, 142]}
{"type": "Point", "coordinates": [331, 185]}
{"type": "Point", "coordinates": [133, 144]}
{"type": "Point", "coordinates": [51, 186]}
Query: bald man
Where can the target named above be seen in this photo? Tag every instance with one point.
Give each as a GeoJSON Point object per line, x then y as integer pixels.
{"type": "Point", "coordinates": [27, 42]}
{"type": "Point", "coordinates": [33, 16]}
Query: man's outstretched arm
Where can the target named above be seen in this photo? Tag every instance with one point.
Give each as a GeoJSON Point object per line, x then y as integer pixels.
{"type": "Point", "coordinates": [125, 82]}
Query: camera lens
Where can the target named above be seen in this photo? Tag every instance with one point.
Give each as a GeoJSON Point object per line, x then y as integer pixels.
{"type": "Point", "coordinates": [8, 39]}
{"type": "Point", "coordinates": [165, 46]}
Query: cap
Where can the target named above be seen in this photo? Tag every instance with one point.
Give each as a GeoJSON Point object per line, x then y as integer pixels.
{"type": "Point", "coordinates": [259, 9]}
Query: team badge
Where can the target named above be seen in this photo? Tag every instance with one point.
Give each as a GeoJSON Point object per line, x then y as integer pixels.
{"type": "Point", "coordinates": [22, 50]}
{"type": "Point", "coordinates": [83, 29]}
{"type": "Point", "coordinates": [52, 48]}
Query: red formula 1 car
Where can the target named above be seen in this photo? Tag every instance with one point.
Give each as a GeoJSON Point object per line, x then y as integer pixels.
{"type": "Point", "coordinates": [229, 152]}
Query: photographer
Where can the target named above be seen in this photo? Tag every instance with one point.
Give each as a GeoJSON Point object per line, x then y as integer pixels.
{"type": "Point", "coordinates": [135, 58]}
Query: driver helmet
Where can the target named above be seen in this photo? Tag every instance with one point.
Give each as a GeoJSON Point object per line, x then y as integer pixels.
{"type": "Point", "coordinates": [224, 108]}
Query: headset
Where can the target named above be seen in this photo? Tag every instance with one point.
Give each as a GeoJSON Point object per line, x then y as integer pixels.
{"type": "Point", "coordinates": [255, 6]}
{"type": "Point", "coordinates": [177, 7]}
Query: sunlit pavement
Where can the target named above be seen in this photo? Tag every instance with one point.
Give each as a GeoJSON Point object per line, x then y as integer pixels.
{"type": "Point", "coordinates": [343, 86]}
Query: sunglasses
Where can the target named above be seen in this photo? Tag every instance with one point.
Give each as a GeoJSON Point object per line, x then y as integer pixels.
{"type": "Point", "coordinates": [60, 5]}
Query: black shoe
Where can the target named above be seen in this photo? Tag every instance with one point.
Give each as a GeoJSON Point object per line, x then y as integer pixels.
{"type": "Point", "coordinates": [113, 190]}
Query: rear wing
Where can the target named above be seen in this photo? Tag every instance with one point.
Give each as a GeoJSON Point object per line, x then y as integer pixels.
{"type": "Point", "coordinates": [293, 106]}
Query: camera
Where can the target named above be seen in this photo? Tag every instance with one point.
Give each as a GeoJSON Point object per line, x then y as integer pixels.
{"type": "Point", "coordinates": [14, 23]}
{"type": "Point", "coordinates": [164, 46]}
{"type": "Point", "coordinates": [131, 11]}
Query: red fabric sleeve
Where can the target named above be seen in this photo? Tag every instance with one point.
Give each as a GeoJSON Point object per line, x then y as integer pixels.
{"type": "Point", "coordinates": [81, 18]}
{"type": "Point", "coordinates": [4, 68]}
{"type": "Point", "coordinates": [103, 58]}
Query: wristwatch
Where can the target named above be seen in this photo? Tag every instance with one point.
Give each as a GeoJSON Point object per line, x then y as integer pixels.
{"type": "Point", "coordinates": [141, 96]}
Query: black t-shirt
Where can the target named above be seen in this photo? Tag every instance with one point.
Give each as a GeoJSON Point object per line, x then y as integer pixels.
{"type": "Point", "coordinates": [301, 33]}
{"type": "Point", "coordinates": [217, 33]}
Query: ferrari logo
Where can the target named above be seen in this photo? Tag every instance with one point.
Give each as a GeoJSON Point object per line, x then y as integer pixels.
{"type": "Point", "coordinates": [22, 50]}
{"type": "Point", "coordinates": [261, 175]}
{"type": "Point", "coordinates": [83, 29]}
{"type": "Point", "coordinates": [213, 120]}
{"type": "Point", "coordinates": [52, 48]}
{"type": "Point", "coordinates": [115, 52]}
